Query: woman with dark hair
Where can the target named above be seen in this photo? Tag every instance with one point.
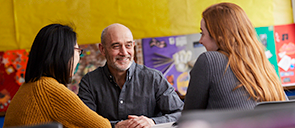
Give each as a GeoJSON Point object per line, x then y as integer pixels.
{"type": "Point", "coordinates": [44, 97]}
{"type": "Point", "coordinates": [234, 73]}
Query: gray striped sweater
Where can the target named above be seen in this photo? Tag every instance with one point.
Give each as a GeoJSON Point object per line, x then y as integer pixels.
{"type": "Point", "coordinates": [210, 87]}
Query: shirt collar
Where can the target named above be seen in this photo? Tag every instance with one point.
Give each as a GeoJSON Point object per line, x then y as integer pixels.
{"type": "Point", "coordinates": [130, 71]}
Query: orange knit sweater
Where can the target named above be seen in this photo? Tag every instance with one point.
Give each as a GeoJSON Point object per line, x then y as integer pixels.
{"type": "Point", "coordinates": [45, 101]}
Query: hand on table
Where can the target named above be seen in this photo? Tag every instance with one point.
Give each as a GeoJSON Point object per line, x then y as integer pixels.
{"type": "Point", "coordinates": [136, 122]}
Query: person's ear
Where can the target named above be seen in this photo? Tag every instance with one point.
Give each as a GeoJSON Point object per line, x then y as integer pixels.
{"type": "Point", "coordinates": [101, 49]}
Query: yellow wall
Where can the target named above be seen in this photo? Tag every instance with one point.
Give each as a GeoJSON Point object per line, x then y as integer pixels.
{"type": "Point", "coordinates": [282, 12]}
{"type": "Point", "coordinates": [22, 19]}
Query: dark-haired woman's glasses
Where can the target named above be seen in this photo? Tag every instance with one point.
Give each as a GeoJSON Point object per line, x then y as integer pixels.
{"type": "Point", "coordinates": [80, 51]}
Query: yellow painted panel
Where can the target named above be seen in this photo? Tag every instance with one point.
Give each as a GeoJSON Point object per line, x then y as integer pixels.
{"type": "Point", "coordinates": [282, 12]}
{"type": "Point", "coordinates": [32, 15]}
{"type": "Point", "coordinates": [7, 30]}
{"type": "Point", "coordinates": [185, 16]}
{"type": "Point", "coordinates": [259, 12]}
{"type": "Point", "coordinates": [145, 18]}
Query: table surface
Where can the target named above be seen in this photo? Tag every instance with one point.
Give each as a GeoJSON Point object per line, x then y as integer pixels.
{"type": "Point", "coordinates": [164, 125]}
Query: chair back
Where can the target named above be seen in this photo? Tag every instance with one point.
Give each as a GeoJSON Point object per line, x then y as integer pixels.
{"type": "Point", "coordinates": [47, 125]}
{"type": "Point", "coordinates": [279, 114]}
{"type": "Point", "coordinates": [275, 104]}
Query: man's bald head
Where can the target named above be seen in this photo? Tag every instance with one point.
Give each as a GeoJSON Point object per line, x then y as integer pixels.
{"type": "Point", "coordinates": [113, 28]}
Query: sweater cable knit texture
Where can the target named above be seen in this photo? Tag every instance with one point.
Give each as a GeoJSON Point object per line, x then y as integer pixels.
{"type": "Point", "coordinates": [46, 101]}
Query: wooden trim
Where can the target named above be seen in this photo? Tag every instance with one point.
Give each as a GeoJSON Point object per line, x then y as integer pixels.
{"type": "Point", "coordinates": [289, 87]}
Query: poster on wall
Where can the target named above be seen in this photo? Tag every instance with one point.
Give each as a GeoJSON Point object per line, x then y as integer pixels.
{"type": "Point", "coordinates": [174, 56]}
{"type": "Point", "coordinates": [285, 50]}
{"type": "Point", "coordinates": [266, 37]}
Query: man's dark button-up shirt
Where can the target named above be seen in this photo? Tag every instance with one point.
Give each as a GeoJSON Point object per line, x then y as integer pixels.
{"type": "Point", "coordinates": [145, 92]}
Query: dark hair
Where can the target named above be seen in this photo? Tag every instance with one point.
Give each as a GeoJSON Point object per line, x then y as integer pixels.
{"type": "Point", "coordinates": [103, 36]}
{"type": "Point", "coordinates": [52, 54]}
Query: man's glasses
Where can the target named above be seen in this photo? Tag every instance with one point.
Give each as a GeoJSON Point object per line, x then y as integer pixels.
{"type": "Point", "coordinates": [80, 51]}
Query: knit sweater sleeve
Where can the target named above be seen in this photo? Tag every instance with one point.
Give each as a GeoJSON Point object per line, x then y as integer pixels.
{"type": "Point", "coordinates": [65, 107]}
{"type": "Point", "coordinates": [198, 89]}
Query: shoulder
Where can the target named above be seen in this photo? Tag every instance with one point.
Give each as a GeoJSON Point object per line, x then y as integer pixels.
{"type": "Point", "coordinates": [47, 87]}
{"type": "Point", "coordinates": [213, 57]}
{"type": "Point", "coordinates": [95, 73]}
{"type": "Point", "coordinates": [142, 69]}
{"type": "Point", "coordinates": [46, 81]}
{"type": "Point", "coordinates": [49, 83]}
{"type": "Point", "coordinates": [211, 61]}
{"type": "Point", "coordinates": [53, 88]}
{"type": "Point", "coordinates": [98, 70]}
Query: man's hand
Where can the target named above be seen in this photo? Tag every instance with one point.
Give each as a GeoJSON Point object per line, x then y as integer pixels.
{"type": "Point", "coordinates": [136, 122]}
{"type": "Point", "coordinates": [122, 124]}
{"type": "Point", "coordinates": [140, 122]}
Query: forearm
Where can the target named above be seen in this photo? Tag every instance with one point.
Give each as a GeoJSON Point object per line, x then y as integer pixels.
{"type": "Point", "coordinates": [167, 118]}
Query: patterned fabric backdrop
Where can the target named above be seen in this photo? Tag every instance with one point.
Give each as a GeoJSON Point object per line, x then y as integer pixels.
{"type": "Point", "coordinates": [12, 71]}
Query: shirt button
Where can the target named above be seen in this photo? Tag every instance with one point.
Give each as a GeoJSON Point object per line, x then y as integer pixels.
{"type": "Point", "coordinates": [121, 102]}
